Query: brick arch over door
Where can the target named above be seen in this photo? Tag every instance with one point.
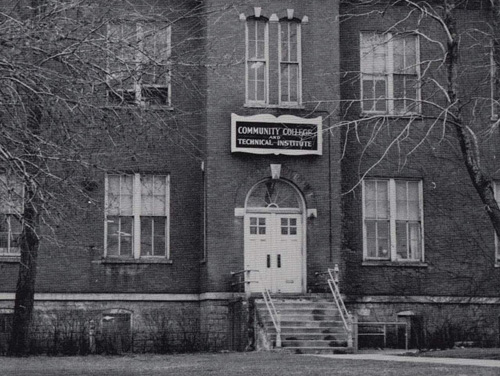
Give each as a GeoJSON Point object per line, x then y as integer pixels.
{"type": "Point", "coordinates": [286, 174]}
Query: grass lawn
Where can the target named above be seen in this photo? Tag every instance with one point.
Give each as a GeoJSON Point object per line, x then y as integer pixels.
{"type": "Point", "coordinates": [471, 353]}
{"type": "Point", "coordinates": [230, 364]}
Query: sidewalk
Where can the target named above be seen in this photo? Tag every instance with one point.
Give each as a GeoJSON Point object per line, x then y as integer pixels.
{"type": "Point", "coordinates": [393, 357]}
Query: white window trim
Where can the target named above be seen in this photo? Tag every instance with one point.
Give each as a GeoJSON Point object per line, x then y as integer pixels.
{"type": "Point", "coordinates": [140, 58]}
{"type": "Point", "coordinates": [136, 210]}
{"type": "Point", "coordinates": [392, 223]}
{"type": "Point", "coordinates": [299, 60]}
{"type": "Point", "coordinates": [388, 41]}
{"type": "Point", "coordinates": [249, 102]}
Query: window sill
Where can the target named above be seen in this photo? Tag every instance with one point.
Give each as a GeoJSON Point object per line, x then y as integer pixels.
{"type": "Point", "coordinates": [274, 106]}
{"type": "Point", "coordinates": [405, 264]}
{"type": "Point", "coordinates": [145, 260]}
{"type": "Point", "coordinates": [10, 258]}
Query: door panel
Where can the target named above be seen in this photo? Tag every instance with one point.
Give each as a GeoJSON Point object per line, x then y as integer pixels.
{"type": "Point", "coordinates": [273, 250]}
{"type": "Point", "coordinates": [288, 253]}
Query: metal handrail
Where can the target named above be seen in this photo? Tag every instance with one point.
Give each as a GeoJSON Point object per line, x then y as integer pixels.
{"type": "Point", "coordinates": [383, 325]}
{"type": "Point", "coordinates": [271, 308]}
{"type": "Point", "coordinates": [344, 314]}
{"type": "Point", "coordinates": [242, 280]}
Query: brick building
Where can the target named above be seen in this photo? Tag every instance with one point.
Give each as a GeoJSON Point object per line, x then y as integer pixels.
{"type": "Point", "coordinates": [298, 136]}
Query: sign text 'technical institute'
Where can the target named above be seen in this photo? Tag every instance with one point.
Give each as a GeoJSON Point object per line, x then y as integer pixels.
{"type": "Point", "coordinates": [267, 134]}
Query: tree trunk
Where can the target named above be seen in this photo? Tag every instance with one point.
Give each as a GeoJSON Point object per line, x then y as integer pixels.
{"type": "Point", "coordinates": [30, 237]}
{"type": "Point", "coordinates": [25, 290]}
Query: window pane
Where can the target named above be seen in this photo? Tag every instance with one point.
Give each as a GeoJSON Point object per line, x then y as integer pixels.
{"type": "Point", "coordinates": [370, 199]}
{"type": "Point", "coordinates": [401, 240]}
{"type": "Point", "coordinates": [112, 246]}
{"type": "Point", "coordinates": [160, 191]}
{"type": "Point", "coordinates": [284, 42]}
{"type": "Point", "coordinates": [371, 239]}
{"type": "Point", "coordinates": [413, 201]}
{"type": "Point", "coordinates": [126, 194]}
{"type": "Point", "coordinates": [147, 197]}
{"type": "Point", "coordinates": [4, 233]}
{"type": "Point", "coordinates": [401, 200]}
{"type": "Point", "coordinates": [113, 194]}
{"type": "Point", "coordinates": [15, 234]}
{"type": "Point", "coordinates": [399, 54]}
{"type": "Point", "coordinates": [382, 200]}
{"type": "Point", "coordinates": [411, 54]}
{"type": "Point", "coordinates": [294, 78]}
{"type": "Point", "coordinates": [411, 87]}
{"type": "Point", "coordinates": [126, 236]}
{"type": "Point", "coordinates": [146, 236]}
{"type": "Point", "coordinates": [261, 91]}
{"type": "Point", "coordinates": [368, 94]}
{"type": "Point", "coordinates": [399, 93]}
{"type": "Point", "coordinates": [285, 79]}
{"type": "Point", "coordinates": [415, 241]}
{"type": "Point", "coordinates": [373, 53]}
{"type": "Point", "coordinates": [159, 234]}
{"type": "Point", "coordinates": [122, 51]}
{"type": "Point", "coordinates": [380, 95]}
{"type": "Point", "coordinates": [383, 239]}
{"type": "Point", "coordinates": [120, 236]}
{"type": "Point", "coordinates": [294, 41]}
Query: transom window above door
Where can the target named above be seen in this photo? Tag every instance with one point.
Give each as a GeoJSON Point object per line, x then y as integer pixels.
{"type": "Point", "coordinates": [274, 194]}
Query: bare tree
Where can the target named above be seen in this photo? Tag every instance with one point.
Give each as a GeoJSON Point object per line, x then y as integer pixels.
{"type": "Point", "coordinates": [449, 101]}
{"type": "Point", "coordinates": [74, 73]}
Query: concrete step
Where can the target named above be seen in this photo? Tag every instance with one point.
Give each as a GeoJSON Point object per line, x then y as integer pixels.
{"type": "Point", "coordinates": [302, 330]}
{"type": "Point", "coordinates": [319, 350]}
{"type": "Point", "coordinates": [311, 337]}
{"type": "Point", "coordinates": [312, 343]}
{"type": "Point", "coordinates": [303, 317]}
{"type": "Point", "coordinates": [306, 323]}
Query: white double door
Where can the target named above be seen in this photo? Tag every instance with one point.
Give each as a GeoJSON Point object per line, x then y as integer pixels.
{"type": "Point", "coordinates": [274, 252]}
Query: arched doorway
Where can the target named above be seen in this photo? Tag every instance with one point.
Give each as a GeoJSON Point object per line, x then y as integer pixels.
{"type": "Point", "coordinates": [275, 236]}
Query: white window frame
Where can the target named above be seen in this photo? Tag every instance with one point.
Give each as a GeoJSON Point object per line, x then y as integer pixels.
{"type": "Point", "coordinates": [136, 214]}
{"type": "Point", "coordinates": [298, 102]}
{"type": "Point", "coordinates": [388, 77]}
{"type": "Point", "coordinates": [393, 257]}
{"type": "Point", "coordinates": [265, 60]}
{"type": "Point", "coordinates": [11, 211]}
{"type": "Point", "coordinates": [141, 56]}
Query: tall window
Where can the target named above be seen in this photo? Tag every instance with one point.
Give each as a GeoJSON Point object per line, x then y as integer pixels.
{"type": "Point", "coordinates": [390, 73]}
{"type": "Point", "coordinates": [11, 207]}
{"type": "Point", "coordinates": [139, 63]}
{"type": "Point", "coordinates": [290, 62]}
{"type": "Point", "coordinates": [392, 220]}
{"type": "Point", "coordinates": [137, 216]}
{"type": "Point", "coordinates": [257, 57]}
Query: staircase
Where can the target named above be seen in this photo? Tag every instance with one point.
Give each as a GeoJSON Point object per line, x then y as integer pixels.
{"type": "Point", "coordinates": [309, 324]}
